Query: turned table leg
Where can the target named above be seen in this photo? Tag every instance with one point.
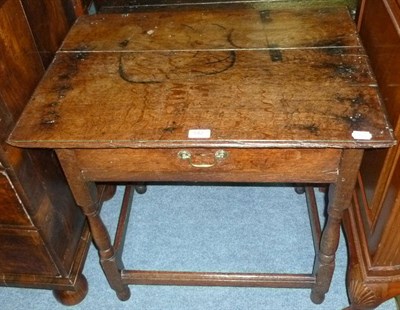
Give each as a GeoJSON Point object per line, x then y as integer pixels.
{"type": "Point", "coordinates": [86, 197]}
{"type": "Point", "coordinates": [339, 198]}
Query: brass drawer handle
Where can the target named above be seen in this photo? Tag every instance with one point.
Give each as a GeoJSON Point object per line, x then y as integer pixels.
{"type": "Point", "coordinates": [218, 156]}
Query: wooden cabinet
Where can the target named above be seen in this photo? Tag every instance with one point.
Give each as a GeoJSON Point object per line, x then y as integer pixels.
{"type": "Point", "coordinates": [372, 226]}
{"type": "Point", "coordinates": [43, 235]}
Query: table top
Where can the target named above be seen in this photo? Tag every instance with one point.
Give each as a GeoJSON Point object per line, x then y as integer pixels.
{"type": "Point", "coordinates": [239, 78]}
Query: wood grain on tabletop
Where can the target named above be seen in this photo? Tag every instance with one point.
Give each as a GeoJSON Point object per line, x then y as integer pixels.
{"type": "Point", "coordinates": [246, 75]}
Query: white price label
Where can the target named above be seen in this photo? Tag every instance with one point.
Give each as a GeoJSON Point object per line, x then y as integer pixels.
{"type": "Point", "coordinates": [199, 133]}
{"type": "Point", "coordinates": [361, 135]}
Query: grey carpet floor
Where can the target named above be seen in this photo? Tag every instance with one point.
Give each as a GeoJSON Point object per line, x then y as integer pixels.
{"type": "Point", "coordinates": [207, 228]}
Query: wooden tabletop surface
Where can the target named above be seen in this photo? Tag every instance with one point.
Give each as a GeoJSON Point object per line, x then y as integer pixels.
{"type": "Point", "coordinates": [245, 78]}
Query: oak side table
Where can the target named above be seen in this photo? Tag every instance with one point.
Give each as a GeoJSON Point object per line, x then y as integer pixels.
{"type": "Point", "coordinates": [221, 95]}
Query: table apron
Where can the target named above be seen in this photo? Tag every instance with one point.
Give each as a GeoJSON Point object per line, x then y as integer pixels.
{"type": "Point", "coordinates": [208, 165]}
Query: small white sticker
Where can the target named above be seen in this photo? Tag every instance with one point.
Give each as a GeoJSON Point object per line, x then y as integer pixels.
{"type": "Point", "coordinates": [361, 135]}
{"type": "Point", "coordinates": [199, 133]}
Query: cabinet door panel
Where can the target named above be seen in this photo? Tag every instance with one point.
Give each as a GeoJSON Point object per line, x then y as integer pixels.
{"type": "Point", "coordinates": [11, 208]}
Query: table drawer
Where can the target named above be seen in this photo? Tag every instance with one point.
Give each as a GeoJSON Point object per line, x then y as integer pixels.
{"type": "Point", "coordinates": [210, 164]}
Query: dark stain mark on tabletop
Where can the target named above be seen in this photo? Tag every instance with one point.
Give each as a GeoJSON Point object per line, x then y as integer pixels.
{"type": "Point", "coordinates": [358, 100]}
{"type": "Point", "coordinates": [265, 16]}
{"type": "Point", "coordinates": [51, 114]}
{"type": "Point", "coordinates": [50, 117]}
{"type": "Point", "coordinates": [64, 76]}
{"type": "Point", "coordinates": [80, 52]}
{"type": "Point", "coordinates": [63, 89]}
{"type": "Point", "coordinates": [123, 43]}
{"type": "Point", "coordinates": [171, 128]}
{"type": "Point", "coordinates": [220, 26]}
{"type": "Point", "coordinates": [176, 66]}
{"type": "Point", "coordinates": [356, 117]}
{"type": "Point", "coordinates": [332, 47]}
{"type": "Point", "coordinates": [345, 70]}
{"type": "Point", "coordinates": [356, 120]}
{"type": "Point", "coordinates": [226, 63]}
{"type": "Point", "coordinates": [354, 101]}
{"type": "Point", "coordinates": [81, 55]}
{"type": "Point", "coordinates": [68, 68]}
{"type": "Point", "coordinates": [230, 39]}
{"type": "Point", "coordinates": [131, 78]}
{"type": "Point", "coordinates": [340, 69]}
{"type": "Point", "coordinates": [311, 128]}
{"type": "Point", "coordinates": [275, 52]}
{"type": "Point", "coordinates": [335, 51]}
{"type": "Point", "coordinates": [189, 27]}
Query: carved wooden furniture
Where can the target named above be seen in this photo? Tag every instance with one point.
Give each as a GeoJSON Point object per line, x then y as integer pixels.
{"type": "Point", "coordinates": [37, 211]}
{"type": "Point", "coordinates": [232, 95]}
{"type": "Point", "coordinates": [43, 235]}
{"type": "Point", "coordinates": [372, 226]}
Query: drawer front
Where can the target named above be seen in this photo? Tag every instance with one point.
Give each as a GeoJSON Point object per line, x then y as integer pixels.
{"type": "Point", "coordinates": [23, 252]}
{"type": "Point", "coordinates": [208, 164]}
{"type": "Point", "coordinates": [12, 211]}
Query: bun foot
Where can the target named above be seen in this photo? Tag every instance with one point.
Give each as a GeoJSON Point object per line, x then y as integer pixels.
{"type": "Point", "coordinates": [140, 188]}
{"type": "Point", "coordinates": [124, 295]}
{"type": "Point", "coordinates": [73, 297]}
{"type": "Point", "coordinates": [317, 298]}
{"type": "Point", "coordinates": [300, 190]}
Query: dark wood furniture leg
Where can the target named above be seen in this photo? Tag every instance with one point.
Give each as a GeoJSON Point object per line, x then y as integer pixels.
{"type": "Point", "coordinates": [140, 188]}
{"type": "Point", "coordinates": [339, 197]}
{"type": "Point", "coordinates": [70, 298]}
{"type": "Point", "coordinates": [86, 197]}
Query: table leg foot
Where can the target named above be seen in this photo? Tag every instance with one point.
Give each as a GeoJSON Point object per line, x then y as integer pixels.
{"type": "Point", "coordinates": [140, 188]}
{"type": "Point", "coordinates": [125, 294]}
{"type": "Point", "coordinates": [300, 190]}
{"type": "Point", "coordinates": [73, 297]}
{"type": "Point", "coordinates": [317, 297]}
